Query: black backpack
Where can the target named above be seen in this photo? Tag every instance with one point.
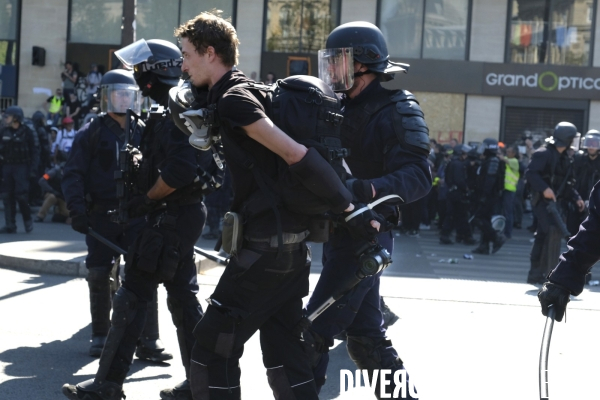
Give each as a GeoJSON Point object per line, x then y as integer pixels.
{"type": "Point", "coordinates": [308, 111]}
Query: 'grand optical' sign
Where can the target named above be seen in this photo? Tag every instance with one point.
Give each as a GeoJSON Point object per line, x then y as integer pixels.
{"type": "Point", "coordinates": [540, 81]}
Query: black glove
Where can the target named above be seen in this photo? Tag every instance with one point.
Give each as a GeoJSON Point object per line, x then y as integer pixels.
{"type": "Point", "coordinates": [80, 223]}
{"type": "Point", "coordinates": [361, 190]}
{"type": "Point", "coordinates": [360, 225]}
{"type": "Point", "coordinates": [556, 296]}
{"type": "Point", "coordinates": [140, 206]}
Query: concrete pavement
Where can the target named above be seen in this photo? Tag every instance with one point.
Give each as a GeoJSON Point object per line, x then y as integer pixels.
{"type": "Point", "coordinates": [466, 332]}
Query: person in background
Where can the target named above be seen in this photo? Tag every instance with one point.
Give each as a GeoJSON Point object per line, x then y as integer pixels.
{"type": "Point", "coordinates": [64, 140]}
{"type": "Point", "coordinates": [53, 195]}
{"type": "Point", "coordinates": [54, 107]}
{"type": "Point", "coordinates": [73, 109]}
{"type": "Point", "coordinates": [69, 77]}
{"type": "Point", "coordinates": [511, 180]}
{"type": "Point", "coordinates": [94, 77]}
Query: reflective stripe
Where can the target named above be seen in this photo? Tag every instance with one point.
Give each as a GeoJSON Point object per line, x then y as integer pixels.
{"type": "Point", "coordinates": [511, 179]}
{"type": "Point", "coordinates": [302, 383]}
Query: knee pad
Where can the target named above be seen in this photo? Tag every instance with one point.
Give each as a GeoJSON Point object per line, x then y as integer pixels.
{"type": "Point", "coordinates": [215, 332]}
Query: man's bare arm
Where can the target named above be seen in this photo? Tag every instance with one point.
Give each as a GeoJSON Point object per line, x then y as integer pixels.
{"type": "Point", "coordinates": [265, 132]}
{"type": "Point", "coordinates": [160, 190]}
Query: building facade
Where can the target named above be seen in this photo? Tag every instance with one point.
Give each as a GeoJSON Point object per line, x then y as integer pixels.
{"type": "Point", "coordinates": [480, 68]}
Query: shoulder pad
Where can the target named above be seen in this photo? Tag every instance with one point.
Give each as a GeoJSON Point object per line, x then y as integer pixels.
{"type": "Point", "coordinates": [409, 107]}
{"type": "Point", "coordinates": [493, 166]}
{"type": "Point", "coordinates": [403, 95]}
{"type": "Point", "coordinates": [412, 132]}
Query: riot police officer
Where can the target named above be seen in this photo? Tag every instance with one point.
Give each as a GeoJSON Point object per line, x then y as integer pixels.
{"type": "Point", "coordinates": [389, 144]}
{"type": "Point", "coordinates": [19, 151]}
{"type": "Point", "coordinates": [90, 191]}
{"type": "Point", "coordinates": [170, 198]}
{"type": "Point", "coordinates": [490, 183]}
{"type": "Point", "coordinates": [586, 168]}
{"type": "Point", "coordinates": [568, 277]}
{"type": "Point", "coordinates": [550, 174]}
{"type": "Point", "coordinates": [457, 205]}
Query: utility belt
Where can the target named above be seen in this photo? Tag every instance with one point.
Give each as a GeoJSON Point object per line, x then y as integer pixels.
{"type": "Point", "coordinates": [99, 206]}
{"type": "Point", "coordinates": [273, 242]}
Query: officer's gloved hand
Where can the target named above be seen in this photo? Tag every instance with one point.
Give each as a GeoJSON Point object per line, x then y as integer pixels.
{"type": "Point", "coordinates": [140, 206]}
{"type": "Point", "coordinates": [359, 225]}
{"type": "Point", "coordinates": [361, 189]}
{"type": "Point", "coordinates": [80, 223]}
{"type": "Point", "coordinates": [556, 296]}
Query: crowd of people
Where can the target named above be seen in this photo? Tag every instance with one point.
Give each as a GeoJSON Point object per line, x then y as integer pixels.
{"type": "Point", "coordinates": [356, 197]}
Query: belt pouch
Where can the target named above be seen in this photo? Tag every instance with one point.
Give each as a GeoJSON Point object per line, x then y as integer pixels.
{"type": "Point", "coordinates": [319, 230]}
{"type": "Point", "coordinates": [148, 251]}
{"type": "Point", "coordinates": [233, 233]}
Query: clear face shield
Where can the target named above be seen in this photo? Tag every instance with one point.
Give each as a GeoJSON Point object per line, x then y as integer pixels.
{"type": "Point", "coordinates": [336, 68]}
{"type": "Point", "coordinates": [118, 97]}
{"type": "Point", "coordinates": [135, 53]}
{"type": "Point", "coordinates": [591, 142]}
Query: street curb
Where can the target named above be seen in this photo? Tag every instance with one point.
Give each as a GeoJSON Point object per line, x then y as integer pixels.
{"type": "Point", "coordinates": [75, 267]}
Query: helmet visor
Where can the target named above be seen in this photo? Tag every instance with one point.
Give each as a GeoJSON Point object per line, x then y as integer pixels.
{"type": "Point", "coordinates": [117, 98]}
{"type": "Point", "coordinates": [336, 68]}
{"type": "Point", "coordinates": [591, 142]}
{"type": "Point", "coordinates": [575, 142]}
{"type": "Point", "coordinates": [135, 53]}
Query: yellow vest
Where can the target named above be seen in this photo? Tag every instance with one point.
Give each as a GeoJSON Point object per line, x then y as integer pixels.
{"type": "Point", "coordinates": [55, 104]}
{"type": "Point", "coordinates": [511, 178]}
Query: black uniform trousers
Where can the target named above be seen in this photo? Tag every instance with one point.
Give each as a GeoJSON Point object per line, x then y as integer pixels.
{"type": "Point", "coordinates": [545, 222]}
{"type": "Point", "coordinates": [182, 289]}
{"type": "Point", "coordinates": [15, 189]}
{"type": "Point", "coordinates": [457, 207]}
{"type": "Point", "coordinates": [258, 291]}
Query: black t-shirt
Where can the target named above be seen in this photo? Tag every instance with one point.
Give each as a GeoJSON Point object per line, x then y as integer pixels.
{"type": "Point", "coordinates": [73, 105]}
{"type": "Point", "coordinates": [237, 108]}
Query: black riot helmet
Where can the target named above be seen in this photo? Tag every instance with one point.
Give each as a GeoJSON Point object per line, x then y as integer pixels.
{"type": "Point", "coordinates": [565, 134]}
{"type": "Point", "coordinates": [38, 118]}
{"type": "Point", "coordinates": [16, 112]}
{"type": "Point", "coordinates": [489, 146]}
{"type": "Point", "coordinates": [118, 92]}
{"type": "Point", "coordinates": [362, 42]}
{"type": "Point", "coordinates": [591, 140]}
{"type": "Point", "coordinates": [152, 61]}
{"type": "Point", "coordinates": [461, 149]}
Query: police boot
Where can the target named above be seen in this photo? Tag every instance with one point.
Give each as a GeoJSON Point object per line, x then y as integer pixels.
{"type": "Point", "coordinates": [8, 229]}
{"type": "Point", "coordinates": [535, 276]}
{"type": "Point", "coordinates": [181, 391]}
{"type": "Point", "coordinates": [150, 347]}
{"type": "Point", "coordinates": [484, 248]}
{"type": "Point", "coordinates": [389, 318]}
{"type": "Point", "coordinates": [100, 305]}
{"type": "Point", "coordinates": [445, 239]}
{"type": "Point", "coordinates": [498, 242]}
{"type": "Point", "coordinates": [90, 390]}
{"type": "Point", "coordinates": [28, 225]}
{"type": "Point", "coordinates": [469, 240]}
{"type": "Point", "coordinates": [375, 354]}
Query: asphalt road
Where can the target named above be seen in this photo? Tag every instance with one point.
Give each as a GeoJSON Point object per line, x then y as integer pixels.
{"type": "Point", "coordinates": [470, 330]}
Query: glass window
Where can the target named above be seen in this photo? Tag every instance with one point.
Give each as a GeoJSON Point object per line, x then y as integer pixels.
{"type": "Point", "coordinates": [425, 28]}
{"type": "Point", "coordinates": [155, 21]}
{"type": "Point", "coordinates": [299, 26]}
{"type": "Point", "coordinates": [550, 32]}
{"type": "Point", "coordinates": [445, 34]}
{"type": "Point", "coordinates": [9, 16]}
{"type": "Point", "coordinates": [191, 8]}
{"type": "Point", "coordinates": [96, 21]}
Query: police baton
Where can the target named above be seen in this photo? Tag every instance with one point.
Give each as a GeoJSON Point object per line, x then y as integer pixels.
{"type": "Point", "coordinates": [105, 241]}
{"type": "Point", "coordinates": [214, 257]}
{"type": "Point", "coordinates": [544, 354]}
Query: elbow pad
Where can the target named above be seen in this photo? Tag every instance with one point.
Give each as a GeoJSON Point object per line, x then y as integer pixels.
{"type": "Point", "coordinates": [318, 176]}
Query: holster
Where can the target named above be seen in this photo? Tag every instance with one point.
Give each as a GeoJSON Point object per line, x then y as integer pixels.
{"type": "Point", "coordinates": [156, 252]}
